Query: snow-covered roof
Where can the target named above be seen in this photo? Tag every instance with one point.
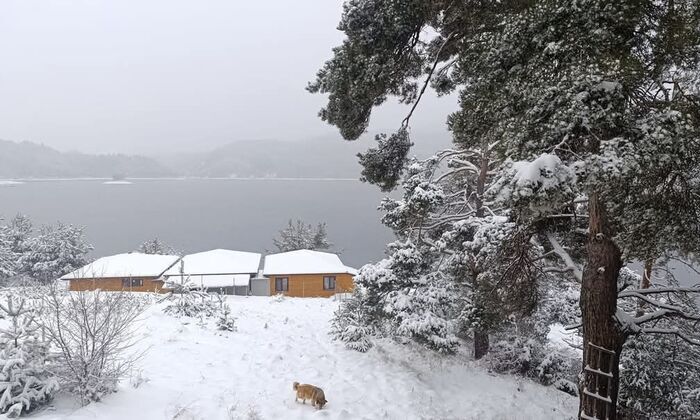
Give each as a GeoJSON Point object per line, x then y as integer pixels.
{"type": "Point", "coordinates": [305, 261]}
{"type": "Point", "coordinates": [133, 264]}
{"type": "Point", "coordinates": [218, 261]}
{"type": "Point", "coordinates": [213, 280]}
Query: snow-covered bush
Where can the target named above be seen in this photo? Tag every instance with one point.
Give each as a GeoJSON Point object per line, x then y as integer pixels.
{"type": "Point", "coordinates": [533, 358]}
{"type": "Point", "coordinates": [25, 381]}
{"type": "Point", "coordinates": [94, 335]}
{"type": "Point", "coordinates": [352, 322]}
{"type": "Point", "coordinates": [225, 322]}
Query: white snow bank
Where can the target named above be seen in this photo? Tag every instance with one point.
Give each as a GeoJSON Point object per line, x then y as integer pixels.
{"type": "Point", "coordinates": [218, 261]}
{"type": "Point", "coordinates": [221, 376]}
{"type": "Point", "coordinates": [133, 264]}
{"type": "Point", "coordinates": [9, 183]}
{"type": "Point", "coordinates": [305, 261]}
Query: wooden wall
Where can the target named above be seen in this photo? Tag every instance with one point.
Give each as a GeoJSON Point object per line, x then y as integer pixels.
{"type": "Point", "coordinates": [150, 284]}
{"type": "Point", "coordinates": [311, 285]}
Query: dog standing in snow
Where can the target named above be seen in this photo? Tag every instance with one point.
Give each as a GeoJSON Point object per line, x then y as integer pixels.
{"type": "Point", "coordinates": [309, 392]}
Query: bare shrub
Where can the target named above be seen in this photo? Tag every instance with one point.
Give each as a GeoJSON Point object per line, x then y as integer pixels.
{"type": "Point", "coordinates": [94, 335]}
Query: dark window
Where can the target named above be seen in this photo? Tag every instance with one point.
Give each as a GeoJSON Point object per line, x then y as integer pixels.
{"type": "Point", "coordinates": [128, 283]}
{"type": "Point", "coordinates": [328, 282]}
{"type": "Point", "coordinates": [281, 284]}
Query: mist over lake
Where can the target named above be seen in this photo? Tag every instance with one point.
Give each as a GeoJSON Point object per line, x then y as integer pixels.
{"type": "Point", "coordinates": [199, 214]}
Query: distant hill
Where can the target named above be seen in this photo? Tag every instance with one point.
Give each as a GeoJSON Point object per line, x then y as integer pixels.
{"type": "Point", "coordinates": [312, 158]}
{"type": "Point", "coordinates": [31, 160]}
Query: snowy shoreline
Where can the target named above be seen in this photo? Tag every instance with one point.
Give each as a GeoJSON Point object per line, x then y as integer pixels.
{"type": "Point", "coordinates": [17, 181]}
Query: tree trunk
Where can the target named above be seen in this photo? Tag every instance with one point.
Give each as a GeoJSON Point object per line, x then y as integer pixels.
{"type": "Point", "coordinates": [481, 336]}
{"type": "Point", "coordinates": [481, 344]}
{"type": "Point", "coordinates": [598, 306]}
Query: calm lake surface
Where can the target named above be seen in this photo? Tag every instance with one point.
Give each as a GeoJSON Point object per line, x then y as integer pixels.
{"type": "Point", "coordinates": [197, 214]}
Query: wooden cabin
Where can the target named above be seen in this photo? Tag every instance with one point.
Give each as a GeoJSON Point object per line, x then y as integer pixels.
{"type": "Point", "coordinates": [219, 271]}
{"type": "Point", "coordinates": [134, 272]}
{"type": "Point", "coordinates": [306, 273]}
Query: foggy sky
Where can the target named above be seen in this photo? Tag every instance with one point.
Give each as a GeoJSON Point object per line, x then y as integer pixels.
{"type": "Point", "coordinates": [158, 76]}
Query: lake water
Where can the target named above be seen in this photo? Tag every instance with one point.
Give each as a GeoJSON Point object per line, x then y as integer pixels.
{"type": "Point", "coordinates": [196, 214]}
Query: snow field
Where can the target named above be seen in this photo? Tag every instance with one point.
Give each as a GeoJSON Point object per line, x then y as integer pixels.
{"type": "Point", "coordinates": [193, 372]}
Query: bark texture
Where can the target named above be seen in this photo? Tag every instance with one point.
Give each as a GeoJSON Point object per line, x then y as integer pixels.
{"type": "Point", "coordinates": [598, 307]}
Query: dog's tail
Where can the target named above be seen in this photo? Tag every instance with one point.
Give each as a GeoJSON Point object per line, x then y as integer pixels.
{"type": "Point", "coordinates": [295, 385]}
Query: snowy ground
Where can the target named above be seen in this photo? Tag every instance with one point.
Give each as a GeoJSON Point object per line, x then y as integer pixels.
{"type": "Point", "coordinates": [191, 372]}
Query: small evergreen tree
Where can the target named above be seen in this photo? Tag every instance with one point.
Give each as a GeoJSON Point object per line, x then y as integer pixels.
{"type": "Point", "coordinates": [156, 246]}
{"type": "Point", "coordinates": [25, 382]}
{"type": "Point", "coordinates": [299, 235]}
{"type": "Point", "coordinates": [185, 299]}
{"type": "Point", "coordinates": [353, 322]}
{"type": "Point", "coordinates": [8, 263]}
{"type": "Point", "coordinates": [13, 244]}
{"type": "Point", "coordinates": [19, 231]}
{"type": "Point", "coordinates": [225, 322]}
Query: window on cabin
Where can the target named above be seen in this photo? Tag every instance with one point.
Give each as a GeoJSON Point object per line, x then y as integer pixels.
{"type": "Point", "coordinates": [328, 282]}
{"type": "Point", "coordinates": [281, 284]}
{"type": "Point", "coordinates": [129, 283]}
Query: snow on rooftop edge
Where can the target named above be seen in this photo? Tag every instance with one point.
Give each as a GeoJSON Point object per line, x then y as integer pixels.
{"type": "Point", "coordinates": [133, 264]}
{"type": "Point", "coordinates": [305, 261]}
{"type": "Point", "coordinates": [218, 261]}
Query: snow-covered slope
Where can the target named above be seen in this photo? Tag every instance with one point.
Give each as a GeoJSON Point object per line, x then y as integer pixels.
{"type": "Point", "coordinates": [199, 373]}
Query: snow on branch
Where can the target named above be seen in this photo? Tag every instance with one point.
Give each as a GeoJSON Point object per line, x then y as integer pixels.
{"type": "Point", "coordinates": [672, 331]}
{"type": "Point", "coordinates": [570, 265]}
{"type": "Point", "coordinates": [661, 310]}
{"type": "Point", "coordinates": [656, 290]}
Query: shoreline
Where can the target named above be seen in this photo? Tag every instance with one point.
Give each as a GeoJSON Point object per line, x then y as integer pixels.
{"type": "Point", "coordinates": [25, 180]}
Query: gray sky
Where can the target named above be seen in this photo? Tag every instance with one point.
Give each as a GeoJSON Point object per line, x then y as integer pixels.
{"type": "Point", "coordinates": [146, 76]}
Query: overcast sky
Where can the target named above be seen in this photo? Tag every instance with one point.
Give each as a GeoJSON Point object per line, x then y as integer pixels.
{"type": "Point", "coordinates": [146, 76]}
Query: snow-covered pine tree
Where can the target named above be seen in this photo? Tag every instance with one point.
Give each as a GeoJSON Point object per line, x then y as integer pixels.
{"type": "Point", "coordinates": [457, 267]}
{"type": "Point", "coordinates": [13, 244]}
{"type": "Point", "coordinates": [156, 246]}
{"type": "Point", "coordinates": [19, 230]}
{"type": "Point", "coordinates": [25, 381]}
{"type": "Point", "coordinates": [8, 260]}
{"type": "Point", "coordinates": [225, 322]}
{"type": "Point", "coordinates": [354, 323]}
{"type": "Point", "coordinates": [56, 250]}
{"type": "Point", "coordinates": [320, 241]}
{"type": "Point", "coordinates": [299, 235]}
{"type": "Point", "coordinates": [591, 100]}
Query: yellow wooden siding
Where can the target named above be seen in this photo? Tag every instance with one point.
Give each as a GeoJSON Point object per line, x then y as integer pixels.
{"type": "Point", "coordinates": [150, 284]}
{"type": "Point", "coordinates": [311, 285]}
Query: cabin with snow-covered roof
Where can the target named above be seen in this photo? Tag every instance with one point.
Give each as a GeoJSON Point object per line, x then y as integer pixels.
{"type": "Point", "coordinates": [131, 272]}
{"type": "Point", "coordinates": [306, 273]}
{"type": "Point", "coordinates": [219, 270]}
